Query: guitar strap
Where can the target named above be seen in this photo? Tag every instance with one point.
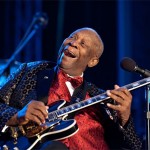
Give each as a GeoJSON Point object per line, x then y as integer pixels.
{"type": "Point", "coordinates": [80, 92]}
{"type": "Point", "coordinates": [78, 95]}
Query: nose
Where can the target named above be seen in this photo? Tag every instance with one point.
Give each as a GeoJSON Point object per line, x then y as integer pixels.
{"type": "Point", "coordinates": [74, 44]}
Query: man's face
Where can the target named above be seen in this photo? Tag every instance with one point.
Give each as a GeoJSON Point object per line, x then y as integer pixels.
{"type": "Point", "coordinates": [76, 51]}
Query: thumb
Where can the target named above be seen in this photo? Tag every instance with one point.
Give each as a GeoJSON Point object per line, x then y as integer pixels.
{"type": "Point", "coordinates": [116, 86]}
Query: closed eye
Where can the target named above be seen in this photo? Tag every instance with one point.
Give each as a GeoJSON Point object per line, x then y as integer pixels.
{"type": "Point", "coordinates": [83, 44]}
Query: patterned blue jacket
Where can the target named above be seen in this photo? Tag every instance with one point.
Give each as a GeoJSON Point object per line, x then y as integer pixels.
{"type": "Point", "coordinates": [33, 80]}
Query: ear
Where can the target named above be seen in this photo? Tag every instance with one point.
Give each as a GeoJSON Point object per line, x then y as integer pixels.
{"type": "Point", "coordinates": [93, 62]}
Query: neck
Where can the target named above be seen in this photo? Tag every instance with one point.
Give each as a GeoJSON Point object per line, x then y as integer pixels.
{"type": "Point", "coordinates": [71, 73]}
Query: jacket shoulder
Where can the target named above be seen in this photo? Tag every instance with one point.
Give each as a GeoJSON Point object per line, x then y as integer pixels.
{"type": "Point", "coordinates": [40, 64]}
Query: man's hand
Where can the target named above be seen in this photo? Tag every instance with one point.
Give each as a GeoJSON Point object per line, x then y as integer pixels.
{"type": "Point", "coordinates": [123, 99]}
{"type": "Point", "coordinates": [35, 111]}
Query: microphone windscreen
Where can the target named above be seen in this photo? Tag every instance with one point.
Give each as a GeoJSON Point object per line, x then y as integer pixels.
{"type": "Point", "coordinates": [128, 64]}
{"type": "Point", "coordinates": [41, 19]}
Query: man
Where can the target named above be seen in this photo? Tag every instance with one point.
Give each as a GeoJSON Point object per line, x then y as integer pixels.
{"type": "Point", "coordinates": [35, 87]}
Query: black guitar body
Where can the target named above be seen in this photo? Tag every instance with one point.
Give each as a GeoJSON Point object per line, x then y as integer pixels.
{"type": "Point", "coordinates": [57, 130]}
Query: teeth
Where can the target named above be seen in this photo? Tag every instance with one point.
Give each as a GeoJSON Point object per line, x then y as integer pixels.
{"type": "Point", "coordinates": [69, 54]}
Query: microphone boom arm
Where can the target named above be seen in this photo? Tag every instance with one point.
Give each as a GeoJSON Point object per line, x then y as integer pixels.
{"type": "Point", "coordinates": [40, 19]}
{"type": "Point", "coordinates": [17, 51]}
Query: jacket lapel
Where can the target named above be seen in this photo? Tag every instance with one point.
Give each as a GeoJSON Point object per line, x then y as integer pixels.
{"type": "Point", "coordinates": [44, 81]}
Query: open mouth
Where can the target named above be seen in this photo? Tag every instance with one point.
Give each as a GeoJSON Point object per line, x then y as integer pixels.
{"type": "Point", "coordinates": [69, 54]}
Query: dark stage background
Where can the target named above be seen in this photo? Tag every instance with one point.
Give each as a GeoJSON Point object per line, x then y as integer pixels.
{"type": "Point", "coordinates": [124, 26]}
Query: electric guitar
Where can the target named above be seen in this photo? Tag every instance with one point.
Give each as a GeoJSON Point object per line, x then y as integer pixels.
{"type": "Point", "coordinates": [56, 127]}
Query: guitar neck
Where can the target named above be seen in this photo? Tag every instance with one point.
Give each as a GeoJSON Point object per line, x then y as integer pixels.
{"type": "Point", "coordinates": [137, 84]}
{"type": "Point", "coordinates": [98, 99]}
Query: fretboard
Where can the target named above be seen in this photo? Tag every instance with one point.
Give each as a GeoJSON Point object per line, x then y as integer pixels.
{"type": "Point", "coordinates": [97, 99]}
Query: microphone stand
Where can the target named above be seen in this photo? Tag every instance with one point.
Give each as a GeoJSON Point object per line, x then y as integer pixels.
{"type": "Point", "coordinates": [39, 20]}
{"type": "Point", "coordinates": [148, 115]}
{"type": "Point", "coordinates": [18, 50]}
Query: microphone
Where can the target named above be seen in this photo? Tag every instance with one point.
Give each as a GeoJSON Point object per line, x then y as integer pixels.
{"type": "Point", "coordinates": [130, 65]}
{"type": "Point", "coordinates": [40, 20]}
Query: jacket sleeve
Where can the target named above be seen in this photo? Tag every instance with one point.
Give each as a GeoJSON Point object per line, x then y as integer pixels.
{"type": "Point", "coordinates": [6, 111]}
{"type": "Point", "coordinates": [131, 140]}
{"type": "Point", "coordinates": [119, 137]}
